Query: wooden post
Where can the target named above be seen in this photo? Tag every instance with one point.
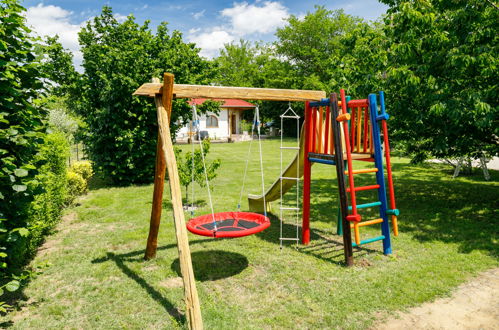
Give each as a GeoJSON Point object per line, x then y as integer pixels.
{"type": "Point", "coordinates": [340, 173]}
{"type": "Point", "coordinates": [164, 106]}
{"type": "Point", "coordinates": [157, 199]}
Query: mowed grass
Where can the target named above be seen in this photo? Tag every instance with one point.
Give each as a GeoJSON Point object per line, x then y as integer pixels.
{"type": "Point", "coordinates": [94, 276]}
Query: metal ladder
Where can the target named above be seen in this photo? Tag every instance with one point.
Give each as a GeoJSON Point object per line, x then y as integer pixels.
{"type": "Point", "coordinates": [290, 114]}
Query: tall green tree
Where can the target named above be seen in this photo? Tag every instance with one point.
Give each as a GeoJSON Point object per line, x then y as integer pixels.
{"type": "Point", "coordinates": [255, 65]}
{"type": "Point", "coordinates": [442, 84]}
{"type": "Point", "coordinates": [313, 43]}
{"type": "Point", "coordinates": [117, 59]}
{"type": "Point", "coordinates": [237, 64]}
{"type": "Point", "coordinates": [362, 60]}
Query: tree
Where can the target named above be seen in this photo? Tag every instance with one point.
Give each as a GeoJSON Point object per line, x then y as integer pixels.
{"type": "Point", "coordinates": [256, 65]}
{"type": "Point", "coordinates": [191, 169]}
{"type": "Point", "coordinates": [442, 85]}
{"type": "Point", "coordinates": [57, 66]}
{"type": "Point", "coordinates": [237, 65]}
{"type": "Point", "coordinates": [310, 45]}
{"type": "Point", "coordinates": [118, 58]}
{"type": "Point", "coordinates": [362, 60]}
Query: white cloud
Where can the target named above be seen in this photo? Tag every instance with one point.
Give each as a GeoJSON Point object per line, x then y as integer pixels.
{"type": "Point", "coordinates": [51, 20]}
{"type": "Point", "coordinates": [199, 14]}
{"type": "Point", "coordinates": [247, 19]}
{"type": "Point", "coordinates": [211, 42]}
{"type": "Point", "coordinates": [120, 18]}
{"type": "Point", "coordinates": [242, 21]}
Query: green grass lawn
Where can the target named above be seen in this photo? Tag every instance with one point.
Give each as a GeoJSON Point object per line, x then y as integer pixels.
{"type": "Point", "coordinates": [93, 274]}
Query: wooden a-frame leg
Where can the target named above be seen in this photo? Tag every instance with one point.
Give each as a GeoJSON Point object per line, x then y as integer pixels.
{"type": "Point", "coordinates": [157, 201]}
{"type": "Point", "coordinates": [167, 155]}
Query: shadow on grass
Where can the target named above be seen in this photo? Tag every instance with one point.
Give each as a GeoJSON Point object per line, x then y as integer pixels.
{"type": "Point", "coordinates": [433, 208]}
{"type": "Point", "coordinates": [97, 182]}
{"type": "Point", "coordinates": [214, 265]}
{"type": "Point", "coordinates": [436, 208]}
{"type": "Point", "coordinates": [208, 265]}
{"type": "Point", "coordinates": [323, 245]}
{"type": "Point", "coordinates": [120, 260]}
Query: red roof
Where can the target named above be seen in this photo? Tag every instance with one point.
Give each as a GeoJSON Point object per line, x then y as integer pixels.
{"type": "Point", "coordinates": [227, 103]}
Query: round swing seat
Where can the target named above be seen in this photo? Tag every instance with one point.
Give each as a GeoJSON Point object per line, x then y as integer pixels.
{"type": "Point", "coordinates": [228, 224]}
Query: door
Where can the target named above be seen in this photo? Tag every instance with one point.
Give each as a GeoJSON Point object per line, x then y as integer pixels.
{"type": "Point", "coordinates": [233, 124]}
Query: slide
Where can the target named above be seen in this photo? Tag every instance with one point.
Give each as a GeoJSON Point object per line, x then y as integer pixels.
{"type": "Point", "coordinates": [273, 193]}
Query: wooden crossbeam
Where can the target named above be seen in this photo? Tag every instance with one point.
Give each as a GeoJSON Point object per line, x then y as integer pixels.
{"type": "Point", "coordinates": [218, 92]}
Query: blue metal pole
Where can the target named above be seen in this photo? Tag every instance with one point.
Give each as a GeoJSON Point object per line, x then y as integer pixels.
{"type": "Point", "coordinates": [380, 178]}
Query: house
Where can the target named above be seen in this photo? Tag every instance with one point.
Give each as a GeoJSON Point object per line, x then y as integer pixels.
{"type": "Point", "coordinates": [222, 126]}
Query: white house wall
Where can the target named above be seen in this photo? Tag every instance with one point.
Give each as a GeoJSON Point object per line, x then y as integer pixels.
{"type": "Point", "coordinates": [220, 132]}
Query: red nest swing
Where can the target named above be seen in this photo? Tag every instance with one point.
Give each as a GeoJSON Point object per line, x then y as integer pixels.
{"type": "Point", "coordinates": [228, 224]}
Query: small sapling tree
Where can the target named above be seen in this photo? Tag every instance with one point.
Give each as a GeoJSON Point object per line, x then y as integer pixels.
{"type": "Point", "coordinates": [190, 167]}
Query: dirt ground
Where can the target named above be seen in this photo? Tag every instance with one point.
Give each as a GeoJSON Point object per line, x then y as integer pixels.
{"type": "Point", "coordinates": [474, 305]}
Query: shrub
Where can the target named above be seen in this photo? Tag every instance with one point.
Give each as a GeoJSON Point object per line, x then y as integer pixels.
{"type": "Point", "coordinates": [21, 131]}
{"type": "Point", "coordinates": [245, 125]}
{"type": "Point", "coordinates": [76, 186]}
{"type": "Point", "coordinates": [46, 208]}
{"type": "Point", "coordinates": [83, 168]}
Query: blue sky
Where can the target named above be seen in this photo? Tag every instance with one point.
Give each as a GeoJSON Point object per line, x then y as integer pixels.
{"type": "Point", "coordinates": [209, 24]}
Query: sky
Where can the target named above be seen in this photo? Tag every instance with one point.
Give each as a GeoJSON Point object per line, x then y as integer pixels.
{"type": "Point", "coordinates": [209, 24]}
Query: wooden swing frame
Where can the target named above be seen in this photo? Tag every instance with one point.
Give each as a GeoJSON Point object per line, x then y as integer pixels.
{"type": "Point", "coordinates": [165, 159]}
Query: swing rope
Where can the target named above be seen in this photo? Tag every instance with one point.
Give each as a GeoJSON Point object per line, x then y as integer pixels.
{"type": "Point", "coordinates": [261, 161]}
{"type": "Point", "coordinates": [256, 123]}
{"type": "Point", "coordinates": [250, 223]}
{"type": "Point", "coordinates": [194, 125]}
{"type": "Point", "coordinates": [195, 114]}
{"type": "Point", "coordinates": [247, 161]}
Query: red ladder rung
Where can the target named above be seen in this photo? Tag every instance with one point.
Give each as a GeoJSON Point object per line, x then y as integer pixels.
{"type": "Point", "coordinates": [374, 186]}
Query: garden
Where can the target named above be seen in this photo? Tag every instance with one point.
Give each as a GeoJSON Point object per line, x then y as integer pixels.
{"type": "Point", "coordinates": [73, 233]}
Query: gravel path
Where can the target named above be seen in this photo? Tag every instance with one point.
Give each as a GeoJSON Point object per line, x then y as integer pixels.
{"type": "Point", "coordinates": [474, 305]}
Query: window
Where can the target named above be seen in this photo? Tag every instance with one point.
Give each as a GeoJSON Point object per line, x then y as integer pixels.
{"type": "Point", "coordinates": [211, 121]}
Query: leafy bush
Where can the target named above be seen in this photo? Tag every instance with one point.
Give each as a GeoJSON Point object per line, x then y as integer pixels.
{"type": "Point", "coordinates": [83, 168]}
{"type": "Point", "coordinates": [32, 163]}
{"type": "Point", "coordinates": [46, 208]}
{"type": "Point", "coordinates": [21, 131]}
{"type": "Point", "coordinates": [76, 186]}
{"type": "Point", "coordinates": [245, 125]}
{"type": "Point", "coordinates": [78, 175]}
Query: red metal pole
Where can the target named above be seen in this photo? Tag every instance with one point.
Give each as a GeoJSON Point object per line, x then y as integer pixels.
{"type": "Point", "coordinates": [305, 235]}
